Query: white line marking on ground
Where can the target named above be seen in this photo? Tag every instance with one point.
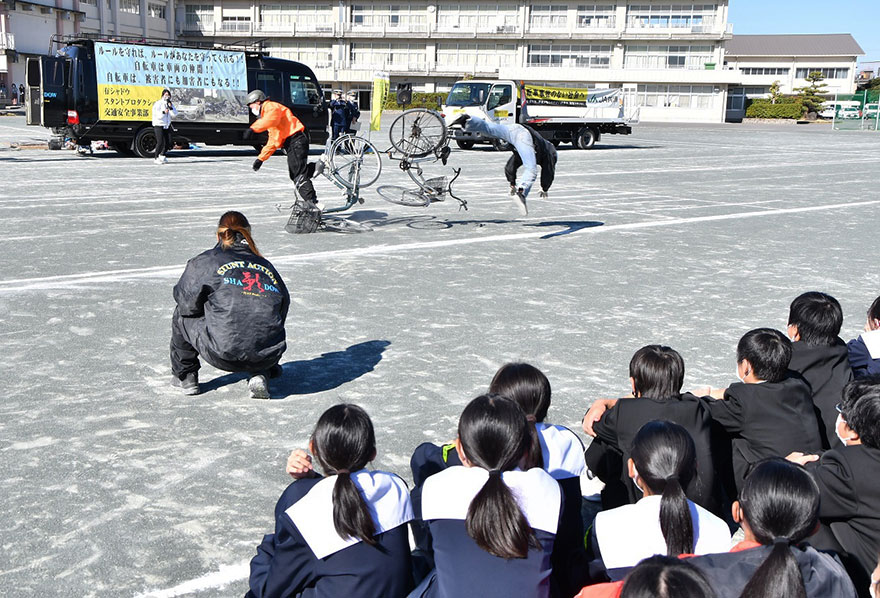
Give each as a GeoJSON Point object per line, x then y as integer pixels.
{"type": "Point", "coordinates": [71, 280]}
{"type": "Point", "coordinates": [225, 576]}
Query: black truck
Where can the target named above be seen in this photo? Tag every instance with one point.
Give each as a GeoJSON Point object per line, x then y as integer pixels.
{"type": "Point", "coordinates": [103, 89]}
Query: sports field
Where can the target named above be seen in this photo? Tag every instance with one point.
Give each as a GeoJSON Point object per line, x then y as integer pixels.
{"type": "Point", "coordinates": [114, 484]}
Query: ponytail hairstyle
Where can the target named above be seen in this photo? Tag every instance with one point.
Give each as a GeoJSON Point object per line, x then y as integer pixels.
{"type": "Point", "coordinates": [666, 577]}
{"type": "Point", "coordinates": [232, 226]}
{"type": "Point", "coordinates": [344, 442]}
{"type": "Point", "coordinates": [494, 435]}
{"type": "Point", "coordinates": [666, 460]}
{"type": "Point", "coordinates": [780, 504]}
{"type": "Point", "coordinates": [528, 387]}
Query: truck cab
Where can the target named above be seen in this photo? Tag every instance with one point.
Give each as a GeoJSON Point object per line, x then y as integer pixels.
{"type": "Point", "coordinates": [496, 99]}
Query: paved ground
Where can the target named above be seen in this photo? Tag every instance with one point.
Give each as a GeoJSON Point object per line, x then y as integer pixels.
{"type": "Point", "coordinates": [116, 485]}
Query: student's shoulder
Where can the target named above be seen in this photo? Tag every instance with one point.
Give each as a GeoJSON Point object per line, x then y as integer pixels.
{"type": "Point", "coordinates": [560, 434]}
{"type": "Point", "coordinates": [295, 491]}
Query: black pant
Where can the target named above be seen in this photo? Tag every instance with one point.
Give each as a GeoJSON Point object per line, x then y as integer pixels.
{"type": "Point", "coordinates": [163, 140]}
{"type": "Point", "coordinates": [339, 129]}
{"type": "Point", "coordinates": [301, 172]}
{"type": "Point", "coordinates": [548, 170]}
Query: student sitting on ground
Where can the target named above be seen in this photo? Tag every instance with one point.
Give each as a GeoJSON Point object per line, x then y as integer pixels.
{"type": "Point", "coordinates": [778, 510]}
{"type": "Point", "coordinates": [663, 462]}
{"type": "Point", "coordinates": [848, 482]}
{"type": "Point", "coordinates": [864, 351]}
{"type": "Point", "coordinates": [656, 374]}
{"type": "Point", "coordinates": [340, 535]}
{"type": "Point", "coordinates": [770, 413]}
{"type": "Point", "coordinates": [819, 355]}
{"type": "Point", "coordinates": [492, 526]}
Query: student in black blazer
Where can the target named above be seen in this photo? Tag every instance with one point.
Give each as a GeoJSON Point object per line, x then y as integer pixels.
{"type": "Point", "coordinates": [768, 414]}
{"type": "Point", "coordinates": [819, 355]}
{"type": "Point", "coordinates": [656, 375]}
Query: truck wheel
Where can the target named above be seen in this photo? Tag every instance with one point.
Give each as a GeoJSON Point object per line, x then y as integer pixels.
{"type": "Point", "coordinates": [500, 145]}
{"type": "Point", "coordinates": [145, 143]}
{"type": "Point", "coordinates": [465, 145]}
{"type": "Point", "coordinates": [121, 148]}
{"type": "Point", "coordinates": [555, 142]}
{"type": "Point", "coordinates": [586, 138]}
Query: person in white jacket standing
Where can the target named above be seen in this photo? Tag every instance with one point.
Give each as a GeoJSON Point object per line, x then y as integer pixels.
{"type": "Point", "coordinates": [163, 110]}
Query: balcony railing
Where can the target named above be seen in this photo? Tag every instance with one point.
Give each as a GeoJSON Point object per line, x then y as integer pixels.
{"type": "Point", "coordinates": [7, 41]}
{"type": "Point", "coordinates": [383, 27]}
{"type": "Point", "coordinates": [668, 26]}
{"type": "Point", "coordinates": [590, 22]}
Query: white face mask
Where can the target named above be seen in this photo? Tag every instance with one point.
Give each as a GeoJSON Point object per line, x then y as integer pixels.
{"type": "Point", "coordinates": [636, 477]}
{"type": "Point", "coordinates": [255, 110]}
{"type": "Point", "coordinates": [837, 425]}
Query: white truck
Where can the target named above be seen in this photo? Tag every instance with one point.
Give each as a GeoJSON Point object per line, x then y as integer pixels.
{"type": "Point", "coordinates": [560, 114]}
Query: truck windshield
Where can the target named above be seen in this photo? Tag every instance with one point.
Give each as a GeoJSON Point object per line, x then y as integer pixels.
{"type": "Point", "coordinates": [468, 94]}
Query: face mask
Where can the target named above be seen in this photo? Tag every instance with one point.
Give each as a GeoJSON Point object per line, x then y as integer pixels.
{"type": "Point", "coordinates": [837, 425]}
{"type": "Point", "coordinates": [635, 477]}
{"type": "Point", "coordinates": [255, 111]}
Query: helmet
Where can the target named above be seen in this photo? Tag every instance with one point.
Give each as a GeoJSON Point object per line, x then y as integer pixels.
{"type": "Point", "coordinates": [256, 95]}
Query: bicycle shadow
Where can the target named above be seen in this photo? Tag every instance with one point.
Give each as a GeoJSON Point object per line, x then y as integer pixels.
{"type": "Point", "coordinates": [329, 371]}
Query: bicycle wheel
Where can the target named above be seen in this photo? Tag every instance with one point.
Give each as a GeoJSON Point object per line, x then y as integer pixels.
{"type": "Point", "coordinates": [418, 132]}
{"type": "Point", "coordinates": [402, 196]}
{"type": "Point", "coordinates": [354, 162]}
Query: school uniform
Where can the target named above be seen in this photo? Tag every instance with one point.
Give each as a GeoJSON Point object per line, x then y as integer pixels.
{"type": "Point", "coordinates": [850, 504]}
{"type": "Point", "coordinates": [607, 455]}
{"type": "Point", "coordinates": [826, 369]}
{"type": "Point", "coordinates": [628, 534]}
{"type": "Point", "coordinates": [864, 354]}
{"type": "Point", "coordinates": [767, 419]}
{"type": "Point", "coordinates": [463, 569]}
{"type": "Point", "coordinates": [305, 557]}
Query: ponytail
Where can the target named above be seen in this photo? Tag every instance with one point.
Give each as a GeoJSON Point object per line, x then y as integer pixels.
{"type": "Point", "coordinates": [344, 441]}
{"type": "Point", "coordinates": [534, 456]}
{"type": "Point", "coordinates": [233, 225]}
{"type": "Point", "coordinates": [780, 503]}
{"type": "Point", "coordinates": [665, 457]}
{"type": "Point", "coordinates": [494, 435]}
{"type": "Point", "coordinates": [528, 387]}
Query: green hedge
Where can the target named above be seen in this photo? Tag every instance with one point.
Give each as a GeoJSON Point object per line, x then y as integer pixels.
{"type": "Point", "coordinates": [764, 109]}
{"type": "Point", "coordinates": [431, 101]}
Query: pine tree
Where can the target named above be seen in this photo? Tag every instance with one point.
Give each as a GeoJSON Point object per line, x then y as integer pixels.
{"type": "Point", "coordinates": [811, 95]}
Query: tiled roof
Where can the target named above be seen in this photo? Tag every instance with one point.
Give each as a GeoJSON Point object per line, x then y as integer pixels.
{"type": "Point", "coordinates": [834, 44]}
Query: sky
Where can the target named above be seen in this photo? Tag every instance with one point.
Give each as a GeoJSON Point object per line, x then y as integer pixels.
{"type": "Point", "coordinates": [861, 18]}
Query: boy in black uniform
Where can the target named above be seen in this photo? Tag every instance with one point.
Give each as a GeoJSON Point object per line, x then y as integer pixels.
{"type": "Point", "coordinates": [769, 413]}
{"type": "Point", "coordinates": [656, 374]}
{"type": "Point", "coordinates": [819, 355]}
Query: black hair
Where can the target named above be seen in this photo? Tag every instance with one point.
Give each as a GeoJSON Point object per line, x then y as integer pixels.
{"type": "Point", "coordinates": [666, 459]}
{"type": "Point", "coordinates": [662, 576]}
{"type": "Point", "coordinates": [494, 435]}
{"type": "Point", "coordinates": [780, 504]}
{"type": "Point", "coordinates": [860, 407]}
{"type": "Point", "coordinates": [657, 372]}
{"type": "Point", "coordinates": [344, 442]}
{"type": "Point", "coordinates": [818, 318]}
{"type": "Point", "coordinates": [768, 351]}
{"type": "Point", "coordinates": [528, 387]}
{"type": "Point", "coordinates": [874, 310]}
{"type": "Point", "coordinates": [166, 90]}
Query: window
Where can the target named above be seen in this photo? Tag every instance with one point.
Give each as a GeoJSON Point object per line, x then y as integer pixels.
{"type": "Point", "coordinates": [569, 55]}
{"type": "Point", "coordinates": [595, 16]}
{"type": "Point", "coordinates": [270, 83]}
{"type": "Point", "coordinates": [765, 71]}
{"type": "Point", "coordinates": [473, 56]}
{"type": "Point", "coordinates": [316, 54]}
{"type": "Point", "coordinates": [828, 73]}
{"type": "Point", "coordinates": [301, 17]}
{"type": "Point", "coordinates": [492, 18]}
{"type": "Point", "coordinates": [700, 97]}
{"type": "Point", "coordinates": [696, 18]}
{"type": "Point", "coordinates": [390, 56]}
{"type": "Point", "coordinates": [130, 6]}
{"type": "Point", "coordinates": [392, 16]}
{"type": "Point", "coordinates": [157, 11]}
{"type": "Point", "coordinates": [199, 16]}
{"type": "Point", "coordinates": [548, 16]}
{"type": "Point", "coordinates": [235, 23]}
{"type": "Point", "coordinates": [668, 57]}
{"type": "Point", "coordinates": [303, 90]}
{"type": "Point", "coordinates": [90, 2]}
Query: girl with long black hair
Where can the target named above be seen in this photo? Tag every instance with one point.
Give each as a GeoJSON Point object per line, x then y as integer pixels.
{"type": "Point", "coordinates": [343, 534]}
{"type": "Point", "coordinates": [491, 524]}
{"type": "Point", "coordinates": [664, 521]}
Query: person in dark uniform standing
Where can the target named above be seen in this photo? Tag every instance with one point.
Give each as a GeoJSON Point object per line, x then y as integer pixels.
{"type": "Point", "coordinates": [231, 309]}
{"type": "Point", "coordinates": [285, 131]}
{"type": "Point", "coordinates": [340, 114]}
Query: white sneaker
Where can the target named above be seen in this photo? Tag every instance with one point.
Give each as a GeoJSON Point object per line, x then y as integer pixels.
{"type": "Point", "coordinates": [512, 190]}
{"type": "Point", "coordinates": [544, 195]}
{"type": "Point", "coordinates": [158, 160]}
{"type": "Point", "coordinates": [164, 159]}
{"type": "Point", "coordinates": [258, 385]}
{"type": "Point", "coordinates": [519, 199]}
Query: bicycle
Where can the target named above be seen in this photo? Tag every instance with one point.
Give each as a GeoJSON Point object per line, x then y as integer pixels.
{"type": "Point", "coordinates": [350, 163]}
{"type": "Point", "coordinates": [421, 136]}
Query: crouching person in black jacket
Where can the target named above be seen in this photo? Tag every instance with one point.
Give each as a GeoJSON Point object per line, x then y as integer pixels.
{"type": "Point", "coordinates": [231, 308]}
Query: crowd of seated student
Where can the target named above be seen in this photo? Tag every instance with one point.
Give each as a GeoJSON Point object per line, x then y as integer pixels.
{"type": "Point", "coordinates": [497, 512]}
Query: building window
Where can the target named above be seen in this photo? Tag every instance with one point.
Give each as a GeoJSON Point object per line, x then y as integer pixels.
{"type": "Point", "coordinates": [569, 55]}
{"type": "Point", "coordinates": [130, 6]}
{"type": "Point", "coordinates": [388, 56]}
{"type": "Point", "coordinates": [315, 54]}
{"type": "Point", "coordinates": [157, 11]}
{"type": "Point", "coordinates": [302, 17]}
{"type": "Point", "coordinates": [392, 16]}
{"type": "Point", "coordinates": [696, 18]}
{"type": "Point", "coordinates": [668, 57]}
{"type": "Point", "coordinates": [90, 2]}
{"type": "Point", "coordinates": [548, 16]}
{"type": "Point", "coordinates": [828, 73]}
{"type": "Point", "coordinates": [199, 16]}
{"type": "Point", "coordinates": [235, 23]}
{"type": "Point", "coordinates": [465, 57]}
{"type": "Point", "coordinates": [700, 97]}
{"type": "Point", "coordinates": [595, 16]}
{"type": "Point", "coordinates": [489, 18]}
{"type": "Point", "coordinates": [765, 71]}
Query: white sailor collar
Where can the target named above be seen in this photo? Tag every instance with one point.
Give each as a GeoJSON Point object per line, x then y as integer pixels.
{"type": "Point", "coordinates": [563, 451]}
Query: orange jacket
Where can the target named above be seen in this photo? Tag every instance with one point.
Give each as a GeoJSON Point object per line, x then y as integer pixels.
{"type": "Point", "coordinates": [281, 124]}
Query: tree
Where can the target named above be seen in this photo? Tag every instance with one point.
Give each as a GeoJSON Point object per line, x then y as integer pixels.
{"type": "Point", "coordinates": [775, 95]}
{"type": "Point", "coordinates": [811, 95]}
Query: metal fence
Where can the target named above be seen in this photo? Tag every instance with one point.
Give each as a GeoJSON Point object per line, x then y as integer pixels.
{"type": "Point", "coordinates": [856, 111]}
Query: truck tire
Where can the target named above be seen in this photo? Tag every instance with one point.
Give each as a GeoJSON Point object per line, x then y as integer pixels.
{"type": "Point", "coordinates": [145, 143]}
{"type": "Point", "coordinates": [465, 145]}
{"type": "Point", "coordinates": [586, 138]}
{"type": "Point", "coordinates": [122, 148]}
